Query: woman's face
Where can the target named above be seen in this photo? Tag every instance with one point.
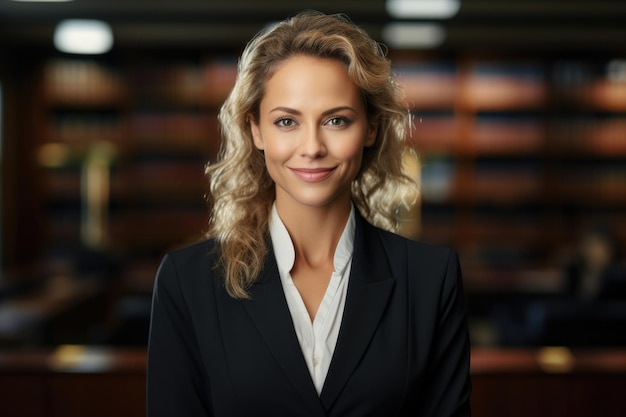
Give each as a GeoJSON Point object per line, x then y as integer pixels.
{"type": "Point", "coordinates": [312, 128]}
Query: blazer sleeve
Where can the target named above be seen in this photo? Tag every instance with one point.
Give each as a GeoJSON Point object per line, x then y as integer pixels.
{"type": "Point", "coordinates": [177, 384]}
{"type": "Point", "coordinates": [448, 388]}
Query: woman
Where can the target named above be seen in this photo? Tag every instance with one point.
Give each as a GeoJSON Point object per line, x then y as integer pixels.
{"type": "Point", "coordinates": [296, 304]}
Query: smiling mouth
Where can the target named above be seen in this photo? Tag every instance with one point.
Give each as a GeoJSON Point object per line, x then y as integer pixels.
{"type": "Point", "coordinates": [313, 174]}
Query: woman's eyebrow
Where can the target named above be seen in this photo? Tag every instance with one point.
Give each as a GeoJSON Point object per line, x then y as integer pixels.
{"type": "Point", "coordinates": [298, 112]}
{"type": "Point", "coordinates": [286, 110]}
{"type": "Point", "coordinates": [338, 109]}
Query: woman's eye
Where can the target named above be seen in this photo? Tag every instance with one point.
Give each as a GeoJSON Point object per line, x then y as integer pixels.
{"type": "Point", "coordinates": [285, 122]}
{"type": "Point", "coordinates": [337, 121]}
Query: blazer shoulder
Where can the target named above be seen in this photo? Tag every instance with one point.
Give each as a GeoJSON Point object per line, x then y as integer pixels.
{"type": "Point", "coordinates": [415, 249]}
{"type": "Point", "coordinates": [189, 264]}
{"type": "Point", "coordinates": [200, 252]}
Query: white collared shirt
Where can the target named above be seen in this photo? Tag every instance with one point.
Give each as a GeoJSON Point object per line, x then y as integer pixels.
{"type": "Point", "coordinates": [318, 338]}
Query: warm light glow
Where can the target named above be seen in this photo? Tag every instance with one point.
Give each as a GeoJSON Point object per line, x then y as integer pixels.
{"type": "Point", "coordinates": [414, 35]}
{"type": "Point", "coordinates": [80, 358]}
{"type": "Point", "coordinates": [53, 155]}
{"type": "Point", "coordinates": [428, 9]}
{"type": "Point", "coordinates": [83, 36]}
{"type": "Point", "coordinates": [556, 359]}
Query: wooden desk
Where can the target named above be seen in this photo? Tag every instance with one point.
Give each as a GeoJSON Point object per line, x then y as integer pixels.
{"type": "Point", "coordinates": [74, 381]}
{"type": "Point", "coordinates": [548, 382]}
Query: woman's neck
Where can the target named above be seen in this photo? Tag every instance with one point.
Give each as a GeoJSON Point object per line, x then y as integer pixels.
{"type": "Point", "coordinates": [315, 231]}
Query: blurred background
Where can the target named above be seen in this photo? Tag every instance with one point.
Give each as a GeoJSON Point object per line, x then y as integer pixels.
{"type": "Point", "coordinates": [519, 113]}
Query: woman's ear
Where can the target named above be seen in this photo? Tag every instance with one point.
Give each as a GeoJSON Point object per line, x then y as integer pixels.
{"type": "Point", "coordinates": [256, 134]}
{"type": "Point", "coordinates": [372, 132]}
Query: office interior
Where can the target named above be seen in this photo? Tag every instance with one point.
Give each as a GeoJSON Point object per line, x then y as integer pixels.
{"type": "Point", "coordinates": [518, 112]}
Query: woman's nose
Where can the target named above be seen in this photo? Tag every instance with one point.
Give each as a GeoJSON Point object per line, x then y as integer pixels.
{"type": "Point", "coordinates": [313, 143]}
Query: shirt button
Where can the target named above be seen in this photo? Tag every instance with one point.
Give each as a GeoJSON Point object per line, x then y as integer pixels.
{"type": "Point", "coordinates": [315, 361]}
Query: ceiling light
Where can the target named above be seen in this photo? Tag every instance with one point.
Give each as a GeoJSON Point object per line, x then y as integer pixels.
{"type": "Point", "coordinates": [83, 36]}
{"type": "Point", "coordinates": [414, 35]}
{"type": "Point", "coordinates": [427, 9]}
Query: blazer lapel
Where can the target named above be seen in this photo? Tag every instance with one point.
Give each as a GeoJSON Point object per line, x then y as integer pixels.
{"type": "Point", "coordinates": [269, 311]}
{"type": "Point", "coordinates": [369, 289]}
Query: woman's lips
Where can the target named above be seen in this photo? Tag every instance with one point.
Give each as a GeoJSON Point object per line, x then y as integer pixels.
{"type": "Point", "coordinates": [312, 174]}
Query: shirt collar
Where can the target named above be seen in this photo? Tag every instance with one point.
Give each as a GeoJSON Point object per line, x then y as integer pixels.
{"type": "Point", "coordinates": [285, 252]}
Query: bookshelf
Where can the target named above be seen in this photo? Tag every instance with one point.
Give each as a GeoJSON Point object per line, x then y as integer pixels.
{"type": "Point", "coordinates": [173, 135]}
{"type": "Point", "coordinates": [149, 127]}
{"type": "Point", "coordinates": [589, 149]}
{"type": "Point", "coordinates": [84, 128]}
{"type": "Point", "coordinates": [519, 155]}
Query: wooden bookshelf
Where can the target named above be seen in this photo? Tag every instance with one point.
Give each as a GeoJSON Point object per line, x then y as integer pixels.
{"type": "Point", "coordinates": [149, 126]}
{"type": "Point", "coordinates": [503, 85]}
{"type": "Point", "coordinates": [518, 155]}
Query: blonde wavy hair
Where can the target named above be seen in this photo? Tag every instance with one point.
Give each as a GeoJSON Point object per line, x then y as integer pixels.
{"type": "Point", "coordinates": [241, 192]}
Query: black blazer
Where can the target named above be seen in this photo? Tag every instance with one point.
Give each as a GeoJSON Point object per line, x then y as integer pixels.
{"type": "Point", "coordinates": [403, 347]}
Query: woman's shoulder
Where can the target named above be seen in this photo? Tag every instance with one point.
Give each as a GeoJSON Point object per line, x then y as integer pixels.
{"type": "Point", "coordinates": [189, 271]}
{"type": "Point", "coordinates": [199, 256]}
{"type": "Point", "coordinates": [414, 247]}
{"type": "Point", "coordinates": [425, 267]}
{"type": "Point", "coordinates": [194, 251]}
{"type": "Point", "coordinates": [396, 244]}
